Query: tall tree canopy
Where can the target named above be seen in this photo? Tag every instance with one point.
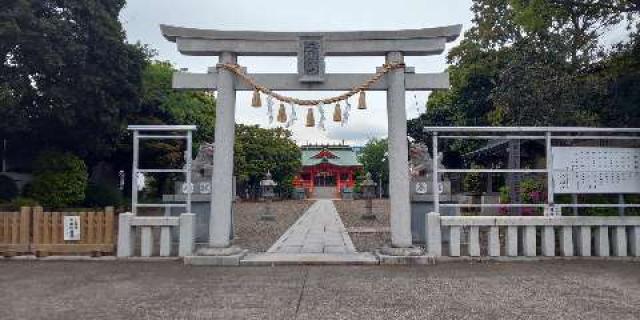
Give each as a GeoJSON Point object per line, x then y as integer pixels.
{"type": "Point", "coordinates": [541, 62]}
{"type": "Point", "coordinates": [67, 76]}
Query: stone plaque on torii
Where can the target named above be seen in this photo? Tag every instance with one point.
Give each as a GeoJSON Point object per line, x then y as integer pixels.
{"type": "Point", "coordinates": [311, 48]}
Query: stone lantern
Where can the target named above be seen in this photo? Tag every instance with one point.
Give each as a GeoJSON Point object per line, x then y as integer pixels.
{"type": "Point", "coordinates": [368, 189]}
{"type": "Point", "coordinates": [267, 186]}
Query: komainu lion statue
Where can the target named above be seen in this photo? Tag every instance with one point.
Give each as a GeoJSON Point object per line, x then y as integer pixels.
{"type": "Point", "coordinates": [202, 165]}
{"type": "Point", "coordinates": [420, 162]}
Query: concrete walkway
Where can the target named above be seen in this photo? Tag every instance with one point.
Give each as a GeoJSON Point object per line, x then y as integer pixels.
{"type": "Point", "coordinates": [319, 230]}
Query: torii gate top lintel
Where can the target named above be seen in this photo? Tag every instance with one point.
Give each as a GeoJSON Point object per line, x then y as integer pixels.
{"type": "Point", "coordinates": [450, 33]}
{"type": "Point", "coordinates": [210, 42]}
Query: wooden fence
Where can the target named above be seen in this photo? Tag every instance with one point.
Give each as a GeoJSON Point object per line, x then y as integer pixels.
{"type": "Point", "coordinates": [15, 231]}
{"type": "Point", "coordinates": [42, 233]}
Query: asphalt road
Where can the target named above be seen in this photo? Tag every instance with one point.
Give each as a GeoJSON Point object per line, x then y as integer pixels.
{"type": "Point", "coordinates": [169, 290]}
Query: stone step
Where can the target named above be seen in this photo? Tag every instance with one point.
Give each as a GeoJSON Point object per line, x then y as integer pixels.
{"type": "Point", "coordinates": [261, 259]}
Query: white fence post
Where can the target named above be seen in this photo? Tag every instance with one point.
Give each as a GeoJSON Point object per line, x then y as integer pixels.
{"type": "Point", "coordinates": [187, 236]}
{"type": "Point", "coordinates": [512, 241]}
{"type": "Point", "coordinates": [584, 241]}
{"type": "Point", "coordinates": [434, 234]}
{"type": "Point", "coordinates": [125, 238]}
{"type": "Point", "coordinates": [634, 241]}
{"type": "Point", "coordinates": [146, 242]}
{"type": "Point", "coordinates": [566, 241]}
{"type": "Point", "coordinates": [454, 241]}
{"type": "Point", "coordinates": [474, 241]}
{"type": "Point", "coordinates": [620, 241]}
{"type": "Point", "coordinates": [602, 241]}
{"type": "Point", "coordinates": [165, 241]}
{"type": "Point", "coordinates": [494, 241]}
{"type": "Point", "coordinates": [529, 240]}
{"type": "Point", "coordinates": [548, 241]}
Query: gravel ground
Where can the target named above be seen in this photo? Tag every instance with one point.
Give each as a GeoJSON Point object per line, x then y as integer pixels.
{"type": "Point", "coordinates": [128, 290]}
{"type": "Point", "coordinates": [258, 235]}
{"type": "Point", "coordinates": [351, 212]}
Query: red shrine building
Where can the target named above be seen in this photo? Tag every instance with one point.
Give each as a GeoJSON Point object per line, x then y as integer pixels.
{"type": "Point", "coordinates": [330, 167]}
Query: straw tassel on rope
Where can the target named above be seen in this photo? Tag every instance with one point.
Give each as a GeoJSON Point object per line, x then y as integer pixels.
{"type": "Point", "coordinates": [311, 121]}
{"type": "Point", "coordinates": [362, 101]}
{"type": "Point", "coordinates": [337, 113]}
{"type": "Point", "coordinates": [282, 114]}
{"type": "Point", "coordinates": [256, 102]}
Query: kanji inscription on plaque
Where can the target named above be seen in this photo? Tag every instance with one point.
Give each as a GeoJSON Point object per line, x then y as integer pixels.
{"type": "Point", "coordinates": [311, 59]}
{"type": "Point", "coordinates": [596, 170]}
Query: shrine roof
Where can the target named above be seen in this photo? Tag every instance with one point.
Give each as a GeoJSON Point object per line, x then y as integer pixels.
{"type": "Point", "coordinates": [343, 156]}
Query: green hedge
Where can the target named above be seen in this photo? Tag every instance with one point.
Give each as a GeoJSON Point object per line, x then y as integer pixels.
{"type": "Point", "coordinates": [60, 179]}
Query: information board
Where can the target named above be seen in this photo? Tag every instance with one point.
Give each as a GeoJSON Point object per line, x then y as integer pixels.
{"type": "Point", "coordinates": [596, 170]}
{"type": "Point", "coordinates": [71, 228]}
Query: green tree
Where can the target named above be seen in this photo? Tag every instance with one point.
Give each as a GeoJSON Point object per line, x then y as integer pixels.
{"type": "Point", "coordinates": [258, 150]}
{"type": "Point", "coordinates": [539, 62]}
{"type": "Point", "coordinates": [67, 76]}
{"type": "Point", "coordinates": [374, 160]}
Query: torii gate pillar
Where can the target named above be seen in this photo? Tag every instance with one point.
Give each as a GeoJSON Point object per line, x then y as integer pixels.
{"type": "Point", "coordinates": [220, 218]}
{"type": "Point", "coordinates": [398, 155]}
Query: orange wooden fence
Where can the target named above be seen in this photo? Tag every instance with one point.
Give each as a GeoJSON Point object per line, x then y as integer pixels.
{"type": "Point", "coordinates": [15, 232]}
{"type": "Point", "coordinates": [42, 233]}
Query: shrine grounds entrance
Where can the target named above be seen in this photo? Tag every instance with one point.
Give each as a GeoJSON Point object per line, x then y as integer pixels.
{"type": "Point", "coordinates": [311, 48]}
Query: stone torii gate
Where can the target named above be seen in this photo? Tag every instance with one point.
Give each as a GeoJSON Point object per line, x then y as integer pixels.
{"type": "Point", "coordinates": [311, 49]}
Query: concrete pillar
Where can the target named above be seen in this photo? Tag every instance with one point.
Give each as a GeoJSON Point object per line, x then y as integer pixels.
{"type": "Point", "coordinates": [620, 241]}
{"type": "Point", "coordinates": [187, 234]}
{"type": "Point", "coordinates": [548, 241]}
{"type": "Point", "coordinates": [398, 155]}
{"type": "Point", "coordinates": [512, 241]}
{"type": "Point", "coordinates": [222, 193]}
{"type": "Point", "coordinates": [125, 236]}
{"type": "Point", "coordinates": [529, 241]}
{"type": "Point", "coordinates": [434, 234]}
{"type": "Point", "coordinates": [566, 241]}
{"type": "Point", "coordinates": [146, 242]}
{"type": "Point", "coordinates": [584, 241]}
{"type": "Point", "coordinates": [454, 241]}
{"type": "Point", "coordinates": [602, 241]}
{"type": "Point", "coordinates": [634, 241]}
{"type": "Point", "coordinates": [494, 242]}
{"type": "Point", "coordinates": [474, 241]}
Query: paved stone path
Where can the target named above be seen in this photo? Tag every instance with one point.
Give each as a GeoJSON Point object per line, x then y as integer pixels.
{"type": "Point", "coordinates": [319, 230]}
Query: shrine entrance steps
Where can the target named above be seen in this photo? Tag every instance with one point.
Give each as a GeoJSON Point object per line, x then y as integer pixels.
{"type": "Point", "coordinates": [318, 237]}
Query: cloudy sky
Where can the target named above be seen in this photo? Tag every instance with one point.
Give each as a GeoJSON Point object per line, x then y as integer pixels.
{"type": "Point", "coordinates": [142, 18]}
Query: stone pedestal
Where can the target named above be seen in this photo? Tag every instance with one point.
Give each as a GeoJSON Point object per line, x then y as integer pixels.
{"type": "Point", "coordinates": [209, 256]}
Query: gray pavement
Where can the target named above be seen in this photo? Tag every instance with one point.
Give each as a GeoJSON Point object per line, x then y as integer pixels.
{"type": "Point", "coordinates": [170, 290]}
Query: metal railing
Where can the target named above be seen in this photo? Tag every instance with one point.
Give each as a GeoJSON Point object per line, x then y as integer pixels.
{"type": "Point", "coordinates": [548, 135]}
{"type": "Point", "coordinates": [160, 132]}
